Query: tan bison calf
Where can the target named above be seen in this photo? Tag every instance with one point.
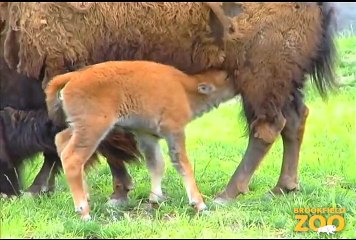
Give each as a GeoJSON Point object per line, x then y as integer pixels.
{"type": "Point", "coordinates": [153, 100]}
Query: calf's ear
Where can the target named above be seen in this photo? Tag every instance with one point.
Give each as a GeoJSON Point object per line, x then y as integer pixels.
{"type": "Point", "coordinates": [206, 88]}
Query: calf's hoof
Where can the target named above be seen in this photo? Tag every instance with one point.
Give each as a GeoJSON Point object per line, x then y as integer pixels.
{"type": "Point", "coordinates": [86, 218]}
{"type": "Point", "coordinates": [157, 198]}
{"type": "Point", "coordinates": [83, 209]}
{"type": "Point", "coordinates": [200, 207]}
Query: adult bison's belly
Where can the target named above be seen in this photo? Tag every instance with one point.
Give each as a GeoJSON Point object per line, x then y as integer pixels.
{"type": "Point", "coordinates": [188, 55]}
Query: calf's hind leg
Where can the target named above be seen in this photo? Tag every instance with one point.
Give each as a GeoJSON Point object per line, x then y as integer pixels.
{"type": "Point", "coordinates": [122, 182]}
{"type": "Point", "coordinates": [296, 114]}
{"type": "Point", "coordinates": [81, 146]}
{"type": "Point", "coordinates": [155, 163]}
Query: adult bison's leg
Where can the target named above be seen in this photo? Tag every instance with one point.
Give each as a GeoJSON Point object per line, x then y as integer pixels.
{"type": "Point", "coordinates": [296, 113]}
{"type": "Point", "coordinates": [9, 182]}
{"type": "Point", "coordinates": [45, 179]}
{"type": "Point", "coordinates": [120, 147]}
{"type": "Point", "coordinates": [9, 176]}
{"type": "Point", "coordinates": [122, 181]}
{"type": "Point", "coordinates": [255, 152]}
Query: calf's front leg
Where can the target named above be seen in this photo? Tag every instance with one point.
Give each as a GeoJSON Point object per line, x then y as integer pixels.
{"type": "Point", "coordinates": [179, 158]}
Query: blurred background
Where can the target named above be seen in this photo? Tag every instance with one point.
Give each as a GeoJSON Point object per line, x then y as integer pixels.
{"type": "Point", "coordinates": [346, 12]}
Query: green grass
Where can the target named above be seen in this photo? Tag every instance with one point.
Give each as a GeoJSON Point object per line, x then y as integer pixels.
{"type": "Point", "coordinates": [216, 144]}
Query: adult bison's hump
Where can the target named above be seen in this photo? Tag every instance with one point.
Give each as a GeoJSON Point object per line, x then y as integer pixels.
{"type": "Point", "coordinates": [184, 35]}
{"type": "Point", "coordinates": [172, 33]}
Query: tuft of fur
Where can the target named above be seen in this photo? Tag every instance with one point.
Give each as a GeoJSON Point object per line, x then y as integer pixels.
{"type": "Point", "coordinates": [323, 65]}
{"type": "Point", "coordinates": [56, 112]}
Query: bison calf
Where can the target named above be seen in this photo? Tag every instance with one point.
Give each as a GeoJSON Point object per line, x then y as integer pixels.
{"type": "Point", "coordinates": [153, 100]}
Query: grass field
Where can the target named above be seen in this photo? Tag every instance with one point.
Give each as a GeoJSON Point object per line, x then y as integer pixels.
{"type": "Point", "coordinates": [216, 144]}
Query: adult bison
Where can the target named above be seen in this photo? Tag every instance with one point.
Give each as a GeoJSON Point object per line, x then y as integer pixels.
{"type": "Point", "coordinates": [26, 130]}
{"type": "Point", "coordinates": [268, 48]}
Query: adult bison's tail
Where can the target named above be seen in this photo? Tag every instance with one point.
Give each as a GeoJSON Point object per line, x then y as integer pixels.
{"type": "Point", "coordinates": [323, 66]}
{"type": "Point", "coordinates": [54, 106]}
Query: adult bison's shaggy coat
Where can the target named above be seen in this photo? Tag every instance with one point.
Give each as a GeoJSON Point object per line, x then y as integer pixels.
{"type": "Point", "coordinates": [25, 130]}
{"type": "Point", "coordinates": [268, 48]}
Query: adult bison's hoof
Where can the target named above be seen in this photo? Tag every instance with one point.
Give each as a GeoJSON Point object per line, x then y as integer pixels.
{"type": "Point", "coordinates": [221, 201]}
{"type": "Point", "coordinates": [3, 195]}
{"type": "Point", "coordinates": [224, 198]}
{"type": "Point", "coordinates": [115, 202]}
{"type": "Point", "coordinates": [6, 196]}
{"type": "Point", "coordinates": [36, 190]}
{"type": "Point", "coordinates": [280, 189]}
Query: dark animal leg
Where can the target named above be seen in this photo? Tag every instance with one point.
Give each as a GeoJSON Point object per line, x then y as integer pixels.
{"type": "Point", "coordinates": [256, 150]}
{"type": "Point", "coordinates": [9, 179]}
{"type": "Point", "coordinates": [296, 114]}
{"type": "Point", "coordinates": [45, 179]}
{"type": "Point", "coordinates": [118, 148]}
{"type": "Point", "coordinates": [122, 181]}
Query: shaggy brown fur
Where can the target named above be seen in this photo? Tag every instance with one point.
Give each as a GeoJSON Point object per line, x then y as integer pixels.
{"type": "Point", "coordinates": [269, 50]}
{"type": "Point", "coordinates": [25, 134]}
{"type": "Point", "coordinates": [151, 99]}
{"type": "Point", "coordinates": [25, 131]}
